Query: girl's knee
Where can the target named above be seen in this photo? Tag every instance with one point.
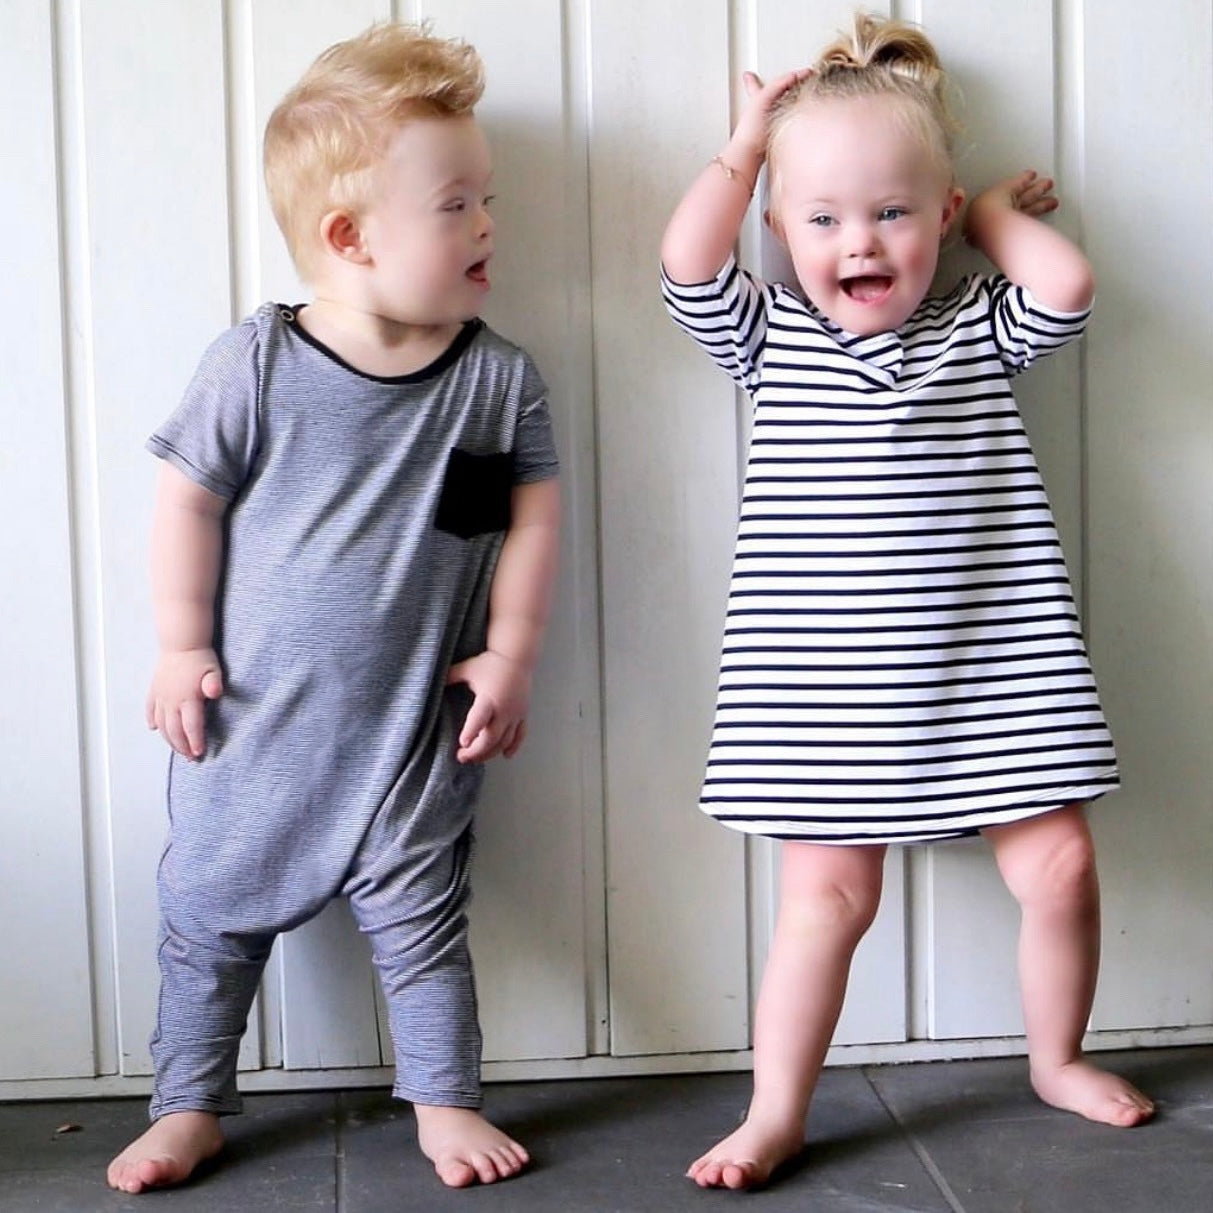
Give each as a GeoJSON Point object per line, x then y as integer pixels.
{"type": "Point", "coordinates": [1057, 865]}
{"type": "Point", "coordinates": [832, 889]}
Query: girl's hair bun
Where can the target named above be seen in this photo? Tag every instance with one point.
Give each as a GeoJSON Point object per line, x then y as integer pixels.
{"type": "Point", "coordinates": [877, 43]}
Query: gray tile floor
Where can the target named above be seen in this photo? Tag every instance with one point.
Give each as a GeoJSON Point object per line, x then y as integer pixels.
{"type": "Point", "coordinates": [955, 1137]}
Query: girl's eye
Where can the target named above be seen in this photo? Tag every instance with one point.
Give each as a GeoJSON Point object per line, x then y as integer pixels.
{"type": "Point", "coordinates": [489, 199]}
{"type": "Point", "coordinates": [456, 204]}
{"type": "Point", "coordinates": [891, 212]}
{"type": "Point", "coordinates": [821, 220]}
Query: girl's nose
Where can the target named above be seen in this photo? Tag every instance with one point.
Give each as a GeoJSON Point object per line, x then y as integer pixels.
{"type": "Point", "coordinates": [861, 240]}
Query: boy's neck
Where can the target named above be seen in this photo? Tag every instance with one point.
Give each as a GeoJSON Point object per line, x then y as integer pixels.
{"type": "Point", "coordinates": [373, 344]}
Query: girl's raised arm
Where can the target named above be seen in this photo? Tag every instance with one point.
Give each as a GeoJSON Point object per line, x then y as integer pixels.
{"type": "Point", "coordinates": [1003, 223]}
{"type": "Point", "coordinates": [703, 229]}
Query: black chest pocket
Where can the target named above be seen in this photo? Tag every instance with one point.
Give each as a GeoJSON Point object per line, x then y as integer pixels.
{"type": "Point", "coordinates": [476, 492]}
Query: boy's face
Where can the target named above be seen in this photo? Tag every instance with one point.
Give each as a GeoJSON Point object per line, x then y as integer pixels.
{"type": "Point", "coordinates": [862, 207]}
{"type": "Point", "coordinates": [427, 228]}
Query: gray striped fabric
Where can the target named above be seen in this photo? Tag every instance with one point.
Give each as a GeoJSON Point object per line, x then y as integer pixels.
{"type": "Point", "coordinates": [346, 595]}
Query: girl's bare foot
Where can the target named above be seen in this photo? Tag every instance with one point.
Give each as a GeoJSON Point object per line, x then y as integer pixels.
{"type": "Point", "coordinates": [465, 1148]}
{"type": "Point", "coordinates": [167, 1153]}
{"type": "Point", "coordinates": [746, 1158]}
{"type": "Point", "coordinates": [1094, 1093]}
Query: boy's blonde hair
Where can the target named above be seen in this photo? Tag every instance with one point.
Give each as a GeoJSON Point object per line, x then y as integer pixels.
{"type": "Point", "coordinates": [880, 58]}
{"type": "Point", "coordinates": [326, 136]}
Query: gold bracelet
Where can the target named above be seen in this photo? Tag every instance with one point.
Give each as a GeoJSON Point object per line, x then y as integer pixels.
{"type": "Point", "coordinates": [731, 173]}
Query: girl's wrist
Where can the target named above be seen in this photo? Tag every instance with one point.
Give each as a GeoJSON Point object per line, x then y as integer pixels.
{"type": "Point", "coordinates": [740, 162]}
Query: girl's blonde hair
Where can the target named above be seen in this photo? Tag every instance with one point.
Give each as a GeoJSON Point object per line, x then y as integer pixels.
{"type": "Point", "coordinates": [880, 58]}
{"type": "Point", "coordinates": [328, 134]}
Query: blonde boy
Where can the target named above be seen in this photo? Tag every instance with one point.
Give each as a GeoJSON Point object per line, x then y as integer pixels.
{"type": "Point", "coordinates": [354, 544]}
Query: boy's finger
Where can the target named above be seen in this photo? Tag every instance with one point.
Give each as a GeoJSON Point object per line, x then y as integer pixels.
{"type": "Point", "coordinates": [478, 718]}
{"type": "Point", "coordinates": [193, 727]}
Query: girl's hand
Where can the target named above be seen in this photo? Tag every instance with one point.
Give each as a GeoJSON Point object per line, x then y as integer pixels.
{"type": "Point", "coordinates": [1025, 192]}
{"type": "Point", "coordinates": [181, 684]}
{"type": "Point", "coordinates": [750, 133]}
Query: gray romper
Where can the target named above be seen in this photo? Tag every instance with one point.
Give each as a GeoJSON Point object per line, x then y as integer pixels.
{"type": "Point", "coordinates": [366, 516]}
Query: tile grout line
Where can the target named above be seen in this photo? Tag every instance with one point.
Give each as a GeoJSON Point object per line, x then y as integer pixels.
{"type": "Point", "coordinates": [339, 1202]}
{"type": "Point", "coordinates": [920, 1151]}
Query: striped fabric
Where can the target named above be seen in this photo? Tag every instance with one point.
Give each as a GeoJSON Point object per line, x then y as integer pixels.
{"type": "Point", "coordinates": [902, 658]}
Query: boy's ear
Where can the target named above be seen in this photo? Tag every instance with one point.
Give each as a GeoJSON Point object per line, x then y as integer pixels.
{"type": "Point", "coordinates": [341, 235]}
{"type": "Point", "coordinates": [952, 204]}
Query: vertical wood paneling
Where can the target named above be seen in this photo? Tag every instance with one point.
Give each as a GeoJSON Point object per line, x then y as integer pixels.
{"type": "Point", "coordinates": [1149, 175]}
{"type": "Point", "coordinates": [667, 466]}
{"type": "Point", "coordinates": [45, 1011]}
{"type": "Point", "coordinates": [157, 275]}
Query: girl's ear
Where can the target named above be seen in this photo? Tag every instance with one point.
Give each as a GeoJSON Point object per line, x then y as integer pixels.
{"type": "Point", "coordinates": [951, 208]}
{"type": "Point", "coordinates": [341, 235]}
{"type": "Point", "coordinates": [773, 222]}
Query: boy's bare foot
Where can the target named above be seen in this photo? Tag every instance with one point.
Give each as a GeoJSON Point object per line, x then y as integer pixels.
{"type": "Point", "coordinates": [465, 1148]}
{"type": "Point", "coordinates": [747, 1157]}
{"type": "Point", "coordinates": [167, 1153]}
{"type": "Point", "coordinates": [1094, 1093]}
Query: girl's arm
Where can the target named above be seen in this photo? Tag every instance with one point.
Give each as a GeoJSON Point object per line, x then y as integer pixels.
{"type": "Point", "coordinates": [1002, 222]}
{"type": "Point", "coordinates": [520, 602]}
{"type": "Point", "coordinates": [703, 229]}
{"type": "Point", "coordinates": [187, 553]}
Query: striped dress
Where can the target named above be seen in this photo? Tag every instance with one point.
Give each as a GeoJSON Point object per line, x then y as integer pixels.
{"type": "Point", "coordinates": [902, 657]}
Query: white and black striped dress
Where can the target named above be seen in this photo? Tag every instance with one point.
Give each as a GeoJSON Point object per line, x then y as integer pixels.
{"type": "Point", "coordinates": [902, 657]}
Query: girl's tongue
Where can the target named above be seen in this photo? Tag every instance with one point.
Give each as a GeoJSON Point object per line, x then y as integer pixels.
{"type": "Point", "coordinates": [868, 287]}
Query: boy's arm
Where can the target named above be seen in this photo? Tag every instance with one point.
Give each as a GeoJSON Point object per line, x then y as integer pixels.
{"type": "Point", "coordinates": [187, 553]}
{"type": "Point", "coordinates": [520, 602]}
{"type": "Point", "coordinates": [1002, 222]}
{"type": "Point", "coordinates": [704, 227]}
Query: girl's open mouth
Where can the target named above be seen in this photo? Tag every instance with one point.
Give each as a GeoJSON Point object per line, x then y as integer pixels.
{"type": "Point", "coordinates": [479, 272]}
{"type": "Point", "coordinates": [867, 288]}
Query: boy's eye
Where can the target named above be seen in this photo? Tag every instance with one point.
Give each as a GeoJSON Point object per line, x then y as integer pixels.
{"type": "Point", "coordinates": [456, 204]}
{"type": "Point", "coordinates": [891, 212]}
{"type": "Point", "coordinates": [821, 220]}
{"type": "Point", "coordinates": [489, 199]}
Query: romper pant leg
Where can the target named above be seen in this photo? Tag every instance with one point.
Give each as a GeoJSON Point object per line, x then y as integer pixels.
{"type": "Point", "coordinates": [207, 985]}
{"type": "Point", "coordinates": [408, 890]}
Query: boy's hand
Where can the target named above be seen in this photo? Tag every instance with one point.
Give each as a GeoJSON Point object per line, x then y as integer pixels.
{"type": "Point", "coordinates": [181, 684]}
{"type": "Point", "coordinates": [496, 721]}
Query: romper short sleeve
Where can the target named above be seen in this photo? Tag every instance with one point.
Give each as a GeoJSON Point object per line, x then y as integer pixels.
{"type": "Point", "coordinates": [535, 455]}
{"type": "Point", "coordinates": [212, 436]}
{"type": "Point", "coordinates": [1025, 329]}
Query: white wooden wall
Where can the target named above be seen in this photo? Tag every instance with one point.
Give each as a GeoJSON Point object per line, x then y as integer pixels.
{"type": "Point", "coordinates": [615, 929]}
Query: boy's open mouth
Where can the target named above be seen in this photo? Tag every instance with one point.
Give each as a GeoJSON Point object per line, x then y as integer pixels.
{"type": "Point", "coordinates": [867, 288]}
{"type": "Point", "coordinates": [479, 271]}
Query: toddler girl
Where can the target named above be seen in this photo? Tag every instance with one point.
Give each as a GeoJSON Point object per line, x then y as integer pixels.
{"type": "Point", "coordinates": [902, 656]}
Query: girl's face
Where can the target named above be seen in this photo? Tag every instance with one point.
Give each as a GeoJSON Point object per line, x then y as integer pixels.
{"type": "Point", "coordinates": [861, 204]}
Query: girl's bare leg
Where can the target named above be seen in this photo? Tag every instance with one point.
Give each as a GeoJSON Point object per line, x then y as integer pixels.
{"type": "Point", "coordinates": [828, 898]}
{"type": "Point", "coordinates": [1048, 864]}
